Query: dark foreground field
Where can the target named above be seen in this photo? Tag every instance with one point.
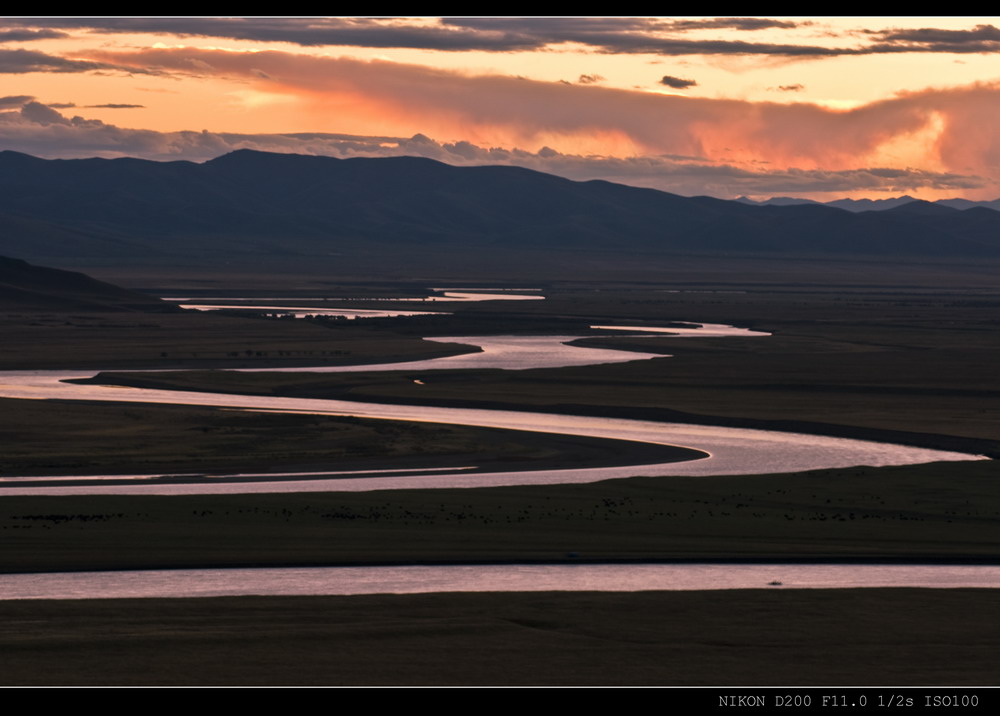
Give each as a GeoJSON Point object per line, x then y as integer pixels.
{"type": "Point", "coordinates": [803, 637]}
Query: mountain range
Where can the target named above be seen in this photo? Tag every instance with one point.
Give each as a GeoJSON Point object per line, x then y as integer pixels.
{"type": "Point", "coordinates": [258, 205]}
{"type": "Point", "coordinates": [857, 205]}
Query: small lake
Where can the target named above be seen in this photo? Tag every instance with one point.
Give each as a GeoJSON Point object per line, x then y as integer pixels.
{"type": "Point", "coordinates": [489, 578]}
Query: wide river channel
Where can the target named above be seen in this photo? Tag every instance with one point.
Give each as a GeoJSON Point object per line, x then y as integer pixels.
{"type": "Point", "coordinates": [728, 451]}
{"type": "Point", "coordinates": [487, 578]}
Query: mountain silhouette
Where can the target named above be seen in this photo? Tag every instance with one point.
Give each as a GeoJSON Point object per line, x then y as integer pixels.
{"type": "Point", "coordinates": [255, 205]}
{"type": "Point", "coordinates": [27, 287]}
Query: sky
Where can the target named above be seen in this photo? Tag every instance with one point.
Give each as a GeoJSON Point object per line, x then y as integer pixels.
{"type": "Point", "coordinates": [814, 107]}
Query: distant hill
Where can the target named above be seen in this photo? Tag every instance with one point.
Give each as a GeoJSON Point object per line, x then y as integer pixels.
{"type": "Point", "coordinates": [26, 287]}
{"type": "Point", "coordinates": [778, 201]}
{"type": "Point", "coordinates": [871, 204]}
{"type": "Point", "coordinates": [964, 204]}
{"type": "Point", "coordinates": [257, 206]}
{"type": "Point", "coordinates": [857, 205]}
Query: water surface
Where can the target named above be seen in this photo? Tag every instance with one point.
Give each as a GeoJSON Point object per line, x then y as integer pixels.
{"type": "Point", "coordinates": [729, 451]}
{"type": "Point", "coordinates": [303, 311]}
{"type": "Point", "coordinates": [490, 578]}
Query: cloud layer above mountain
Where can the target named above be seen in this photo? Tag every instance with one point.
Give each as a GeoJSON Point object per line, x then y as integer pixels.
{"type": "Point", "coordinates": [672, 130]}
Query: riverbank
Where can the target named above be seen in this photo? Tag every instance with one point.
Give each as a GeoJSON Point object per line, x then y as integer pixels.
{"type": "Point", "coordinates": [937, 512]}
{"type": "Point", "coordinates": [103, 438]}
{"type": "Point", "coordinates": [55, 340]}
{"type": "Point", "coordinates": [396, 388]}
{"type": "Point", "coordinates": [744, 637]}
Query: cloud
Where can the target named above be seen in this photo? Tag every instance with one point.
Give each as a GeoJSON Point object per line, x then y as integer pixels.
{"type": "Point", "coordinates": [660, 36]}
{"type": "Point", "coordinates": [42, 131]}
{"type": "Point", "coordinates": [28, 35]}
{"type": "Point", "coordinates": [359, 32]}
{"type": "Point", "coordinates": [943, 131]}
{"type": "Point", "coordinates": [677, 82]}
{"type": "Point", "coordinates": [788, 88]}
{"type": "Point", "coordinates": [981, 39]}
{"type": "Point", "coordinates": [447, 34]}
{"type": "Point", "coordinates": [114, 106]}
{"type": "Point", "coordinates": [735, 23]}
{"type": "Point", "coordinates": [22, 61]}
{"type": "Point", "coordinates": [40, 114]}
{"type": "Point", "coordinates": [14, 101]}
{"type": "Point", "coordinates": [589, 79]}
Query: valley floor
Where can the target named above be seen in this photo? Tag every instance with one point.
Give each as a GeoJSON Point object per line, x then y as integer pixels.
{"type": "Point", "coordinates": [872, 637]}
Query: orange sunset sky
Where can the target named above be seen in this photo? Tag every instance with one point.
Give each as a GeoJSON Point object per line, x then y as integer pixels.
{"type": "Point", "coordinates": [815, 107]}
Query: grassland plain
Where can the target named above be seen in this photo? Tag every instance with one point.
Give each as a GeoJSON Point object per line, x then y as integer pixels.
{"type": "Point", "coordinates": [907, 363]}
{"type": "Point", "coordinates": [911, 637]}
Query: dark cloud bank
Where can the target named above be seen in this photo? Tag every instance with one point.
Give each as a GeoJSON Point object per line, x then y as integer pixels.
{"type": "Point", "coordinates": [661, 36]}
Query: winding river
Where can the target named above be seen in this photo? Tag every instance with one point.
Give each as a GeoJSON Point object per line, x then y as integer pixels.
{"type": "Point", "coordinates": [729, 451]}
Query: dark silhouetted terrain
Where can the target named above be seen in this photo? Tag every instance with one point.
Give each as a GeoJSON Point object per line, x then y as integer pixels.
{"type": "Point", "coordinates": [256, 207]}
{"type": "Point", "coordinates": [26, 287]}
